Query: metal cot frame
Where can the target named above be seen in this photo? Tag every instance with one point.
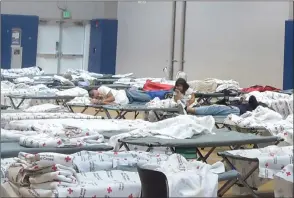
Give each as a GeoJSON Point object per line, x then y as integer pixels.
{"type": "Point", "coordinates": [59, 99]}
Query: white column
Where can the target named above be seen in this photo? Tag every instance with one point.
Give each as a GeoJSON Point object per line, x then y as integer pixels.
{"type": "Point", "coordinates": [291, 8]}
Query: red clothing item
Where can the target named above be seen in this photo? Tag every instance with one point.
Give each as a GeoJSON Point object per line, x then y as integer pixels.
{"type": "Point", "coordinates": [259, 88]}
{"type": "Point", "coordinates": [154, 86]}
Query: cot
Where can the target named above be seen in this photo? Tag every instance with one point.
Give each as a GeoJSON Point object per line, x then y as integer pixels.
{"type": "Point", "coordinates": [255, 130]}
{"type": "Point", "coordinates": [113, 86]}
{"type": "Point", "coordinates": [219, 121]}
{"type": "Point", "coordinates": [229, 158]}
{"type": "Point", "coordinates": [205, 98]}
{"type": "Point", "coordinates": [122, 110]}
{"type": "Point", "coordinates": [98, 108]}
{"type": "Point", "coordinates": [59, 99]}
{"type": "Point", "coordinates": [220, 138]}
{"type": "Point", "coordinates": [103, 81]}
{"type": "Point", "coordinates": [11, 149]}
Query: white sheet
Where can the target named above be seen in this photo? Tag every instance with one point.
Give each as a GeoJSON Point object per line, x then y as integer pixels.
{"type": "Point", "coordinates": [46, 108]}
{"type": "Point", "coordinates": [283, 182]}
{"type": "Point", "coordinates": [186, 179]}
{"type": "Point", "coordinates": [180, 127]}
{"type": "Point", "coordinates": [263, 117]}
{"type": "Point", "coordinates": [189, 179]}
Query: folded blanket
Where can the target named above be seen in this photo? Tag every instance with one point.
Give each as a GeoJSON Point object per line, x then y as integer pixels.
{"type": "Point", "coordinates": [43, 170]}
{"type": "Point", "coordinates": [283, 182]}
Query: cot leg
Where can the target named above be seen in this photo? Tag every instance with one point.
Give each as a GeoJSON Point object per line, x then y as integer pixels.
{"type": "Point", "coordinates": [121, 114]}
{"type": "Point", "coordinates": [98, 110]}
{"type": "Point", "coordinates": [20, 103]}
{"type": "Point", "coordinates": [123, 144]}
{"type": "Point", "coordinates": [204, 158]}
{"type": "Point", "coordinates": [11, 102]}
{"type": "Point", "coordinates": [243, 179]}
{"type": "Point", "coordinates": [224, 188]}
{"type": "Point", "coordinates": [85, 108]}
{"type": "Point", "coordinates": [107, 114]}
{"type": "Point", "coordinates": [70, 108]}
{"type": "Point", "coordinates": [157, 116]}
{"type": "Point", "coordinates": [149, 149]}
{"type": "Point", "coordinates": [136, 114]}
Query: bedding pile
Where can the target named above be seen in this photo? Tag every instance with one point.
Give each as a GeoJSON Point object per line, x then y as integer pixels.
{"type": "Point", "coordinates": [157, 103]}
{"type": "Point", "coordinates": [211, 85]}
{"type": "Point", "coordinates": [92, 174]}
{"type": "Point", "coordinates": [180, 127]}
{"type": "Point", "coordinates": [265, 118]}
{"type": "Point", "coordinates": [85, 100]}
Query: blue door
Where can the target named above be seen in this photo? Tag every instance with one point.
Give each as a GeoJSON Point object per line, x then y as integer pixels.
{"type": "Point", "coordinates": [29, 29]}
{"type": "Point", "coordinates": [288, 55]}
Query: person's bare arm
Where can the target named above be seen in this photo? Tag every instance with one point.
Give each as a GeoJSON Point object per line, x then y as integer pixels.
{"type": "Point", "coordinates": [192, 100]}
{"type": "Point", "coordinates": [109, 99]}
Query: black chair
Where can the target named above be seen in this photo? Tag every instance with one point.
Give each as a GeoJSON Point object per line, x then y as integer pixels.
{"type": "Point", "coordinates": [154, 184]}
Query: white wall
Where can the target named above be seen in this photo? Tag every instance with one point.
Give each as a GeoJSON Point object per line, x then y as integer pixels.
{"type": "Point", "coordinates": [143, 38]}
{"type": "Point", "coordinates": [81, 10]}
{"type": "Point", "coordinates": [239, 40]}
{"type": "Point", "coordinates": [227, 40]}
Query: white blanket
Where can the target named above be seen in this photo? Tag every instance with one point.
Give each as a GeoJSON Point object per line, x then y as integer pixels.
{"type": "Point", "coordinates": [180, 127]}
{"type": "Point", "coordinates": [185, 179]}
{"type": "Point", "coordinates": [46, 108]}
{"type": "Point", "coordinates": [283, 182]}
{"type": "Point", "coordinates": [265, 118]}
{"type": "Point", "coordinates": [189, 179]}
{"type": "Point", "coordinates": [77, 92]}
{"type": "Point", "coordinates": [281, 103]}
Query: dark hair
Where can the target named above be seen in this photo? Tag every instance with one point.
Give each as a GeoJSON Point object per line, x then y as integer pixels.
{"type": "Point", "coordinates": [91, 93]}
{"type": "Point", "coordinates": [253, 102]}
{"type": "Point", "coordinates": [182, 82]}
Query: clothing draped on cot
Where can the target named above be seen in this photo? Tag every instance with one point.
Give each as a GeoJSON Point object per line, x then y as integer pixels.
{"type": "Point", "coordinates": [271, 159]}
{"type": "Point", "coordinates": [281, 103]}
{"type": "Point", "coordinates": [283, 182]}
{"type": "Point", "coordinates": [211, 85]}
{"type": "Point", "coordinates": [265, 118]}
{"type": "Point", "coordinates": [259, 88]}
{"type": "Point", "coordinates": [51, 174]}
{"type": "Point", "coordinates": [153, 86]}
{"type": "Point", "coordinates": [189, 179]}
{"type": "Point", "coordinates": [180, 127]}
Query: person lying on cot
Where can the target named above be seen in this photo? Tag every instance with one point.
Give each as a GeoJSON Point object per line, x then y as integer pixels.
{"type": "Point", "coordinates": [183, 93]}
{"type": "Point", "coordinates": [222, 110]}
{"type": "Point", "coordinates": [106, 95]}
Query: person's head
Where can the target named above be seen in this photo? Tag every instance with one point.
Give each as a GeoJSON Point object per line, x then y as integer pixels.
{"type": "Point", "coordinates": [94, 93]}
{"type": "Point", "coordinates": [181, 85]}
{"type": "Point", "coordinates": [253, 102]}
{"type": "Point", "coordinates": [67, 76]}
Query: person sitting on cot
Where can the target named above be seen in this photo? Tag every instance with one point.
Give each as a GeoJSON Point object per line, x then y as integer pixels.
{"type": "Point", "coordinates": [105, 95]}
{"type": "Point", "coordinates": [183, 92]}
{"type": "Point", "coordinates": [221, 110]}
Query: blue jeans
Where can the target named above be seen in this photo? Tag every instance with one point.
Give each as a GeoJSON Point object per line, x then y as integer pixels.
{"type": "Point", "coordinates": [137, 96]}
{"type": "Point", "coordinates": [217, 110]}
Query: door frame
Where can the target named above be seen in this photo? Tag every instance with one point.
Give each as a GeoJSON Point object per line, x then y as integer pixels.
{"type": "Point", "coordinates": [58, 54]}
